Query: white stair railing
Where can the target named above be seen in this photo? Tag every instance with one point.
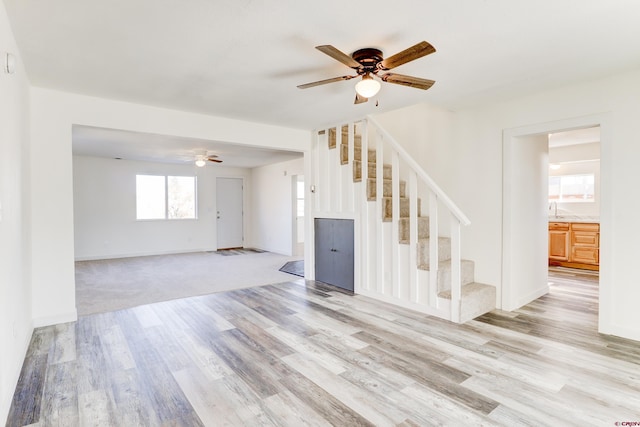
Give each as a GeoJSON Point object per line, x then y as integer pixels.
{"type": "Point", "coordinates": [388, 270]}
{"type": "Point", "coordinates": [436, 197]}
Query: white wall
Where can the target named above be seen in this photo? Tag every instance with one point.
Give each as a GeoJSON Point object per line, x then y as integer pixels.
{"type": "Point", "coordinates": [15, 288]}
{"type": "Point", "coordinates": [426, 132]}
{"type": "Point", "coordinates": [53, 115]}
{"type": "Point", "coordinates": [105, 225]}
{"type": "Point", "coordinates": [272, 205]}
{"type": "Point", "coordinates": [525, 220]}
{"type": "Point", "coordinates": [474, 179]}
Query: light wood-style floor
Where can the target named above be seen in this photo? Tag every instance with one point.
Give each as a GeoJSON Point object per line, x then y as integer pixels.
{"type": "Point", "coordinates": [295, 354]}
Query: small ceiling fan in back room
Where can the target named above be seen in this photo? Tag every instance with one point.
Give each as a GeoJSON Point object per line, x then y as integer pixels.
{"type": "Point", "coordinates": [369, 63]}
{"type": "Point", "coordinates": [201, 159]}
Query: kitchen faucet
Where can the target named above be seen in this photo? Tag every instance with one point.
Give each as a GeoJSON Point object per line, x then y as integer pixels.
{"type": "Point", "coordinates": [554, 205]}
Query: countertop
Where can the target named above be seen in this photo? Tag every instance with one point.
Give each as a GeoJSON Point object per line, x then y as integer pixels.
{"type": "Point", "coordinates": [574, 218]}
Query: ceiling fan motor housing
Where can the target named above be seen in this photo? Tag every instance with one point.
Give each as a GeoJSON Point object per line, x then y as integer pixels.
{"type": "Point", "coordinates": [368, 58]}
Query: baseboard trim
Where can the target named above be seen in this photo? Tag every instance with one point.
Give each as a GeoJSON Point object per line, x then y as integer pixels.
{"type": "Point", "coordinates": [140, 254]}
{"type": "Point", "coordinates": [443, 313]}
{"type": "Point", "coordinates": [39, 322]}
{"type": "Point", "coordinates": [528, 298]}
{"type": "Point", "coordinates": [620, 331]}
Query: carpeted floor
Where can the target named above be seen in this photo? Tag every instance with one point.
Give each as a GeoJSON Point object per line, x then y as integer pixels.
{"type": "Point", "coordinates": [115, 284]}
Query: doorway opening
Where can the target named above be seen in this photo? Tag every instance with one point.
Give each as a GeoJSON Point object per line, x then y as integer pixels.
{"type": "Point", "coordinates": [527, 211]}
{"type": "Point", "coordinates": [574, 198]}
{"type": "Point", "coordinates": [574, 193]}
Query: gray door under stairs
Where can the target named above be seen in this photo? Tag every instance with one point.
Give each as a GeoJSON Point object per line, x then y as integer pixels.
{"type": "Point", "coordinates": [334, 252]}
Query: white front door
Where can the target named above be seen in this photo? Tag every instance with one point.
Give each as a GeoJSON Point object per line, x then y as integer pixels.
{"type": "Point", "coordinates": [229, 212]}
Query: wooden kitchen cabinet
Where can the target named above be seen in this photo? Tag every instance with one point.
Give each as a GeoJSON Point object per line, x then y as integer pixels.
{"type": "Point", "coordinates": [559, 241]}
{"type": "Point", "coordinates": [585, 243]}
{"type": "Point", "coordinates": [574, 245]}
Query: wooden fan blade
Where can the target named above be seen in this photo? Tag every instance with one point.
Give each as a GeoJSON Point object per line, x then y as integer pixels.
{"type": "Point", "coordinates": [324, 82]}
{"type": "Point", "coordinates": [410, 81]}
{"type": "Point", "coordinates": [414, 52]}
{"type": "Point", "coordinates": [360, 99]}
{"type": "Point", "coordinates": [213, 159]}
{"type": "Point", "coordinates": [339, 56]}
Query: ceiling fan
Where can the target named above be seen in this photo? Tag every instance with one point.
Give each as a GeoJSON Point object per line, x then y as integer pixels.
{"type": "Point", "coordinates": [201, 159]}
{"type": "Point", "coordinates": [369, 62]}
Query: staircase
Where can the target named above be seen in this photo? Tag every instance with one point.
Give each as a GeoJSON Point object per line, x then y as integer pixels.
{"type": "Point", "coordinates": [405, 258]}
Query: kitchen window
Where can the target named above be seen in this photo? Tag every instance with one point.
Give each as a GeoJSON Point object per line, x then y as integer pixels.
{"type": "Point", "coordinates": [572, 188]}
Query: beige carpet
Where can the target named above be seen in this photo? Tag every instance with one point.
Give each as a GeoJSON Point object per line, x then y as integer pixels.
{"type": "Point", "coordinates": [115, 284]}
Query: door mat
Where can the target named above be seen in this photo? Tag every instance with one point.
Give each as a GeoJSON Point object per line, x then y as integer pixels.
{"type": "Point", "coordinates": [237, 251]}
{"type": "Point", "coordinates": [294, 267]}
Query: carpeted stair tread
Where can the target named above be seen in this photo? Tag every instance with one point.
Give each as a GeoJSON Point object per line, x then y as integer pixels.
{"type": "Point", "coordinates": [371, 172]}
{"type": "Point", "coordinates": [404, 229]}
{"type": "Point", "coordinates": [405, 202]}
{"type": "Point", "coordinates": [444, 250]}
{"type": "Point", "coordinates": [387, 188]}
{"type": "Point", "coordinates": [467, 268]}
{"type": "Point", "coordinates": [466, 290]}
{"type": "Point", "coordinates": [332, 138]}
{"type": "Point", "coordinates": [344, 149]}
{"type": "Point", "coordinates": [467, 273]}
{"type": "Point", "coordinates": [476, 299]}
{"type": "Point", "coordinates": [357, 138]}
{"type": "Point", "coordinates": [357, 154]}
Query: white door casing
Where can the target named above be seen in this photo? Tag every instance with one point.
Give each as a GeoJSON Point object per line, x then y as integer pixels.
{"type": "Point", "coordinates": [512, 246]}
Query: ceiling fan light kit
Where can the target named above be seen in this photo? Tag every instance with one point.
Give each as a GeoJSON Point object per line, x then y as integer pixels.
{"type": "Point", "coordinates": [369, 62]}
{"type": "Point", "coordinates": [200, 162]}
{"type": "Point", "coordinates": [367, 87]}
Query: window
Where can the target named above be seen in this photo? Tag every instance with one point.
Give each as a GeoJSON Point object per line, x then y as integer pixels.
{"type": "Point", "coordinates": [181, 197]}
{"type": "Point", "coordinates": [572, 188]}
{"type": "Point", "coordinates": [150, 197]}
{"type": "Point", "coordinates": [165, 197]}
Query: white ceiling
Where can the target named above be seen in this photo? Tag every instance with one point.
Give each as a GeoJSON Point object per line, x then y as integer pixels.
{"type": "Point", "coordinates": [113, 143]}
{"type": "Point", "coordinates": [244, 58]}
{"type": "Point", "coordinates": [574, 137]}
